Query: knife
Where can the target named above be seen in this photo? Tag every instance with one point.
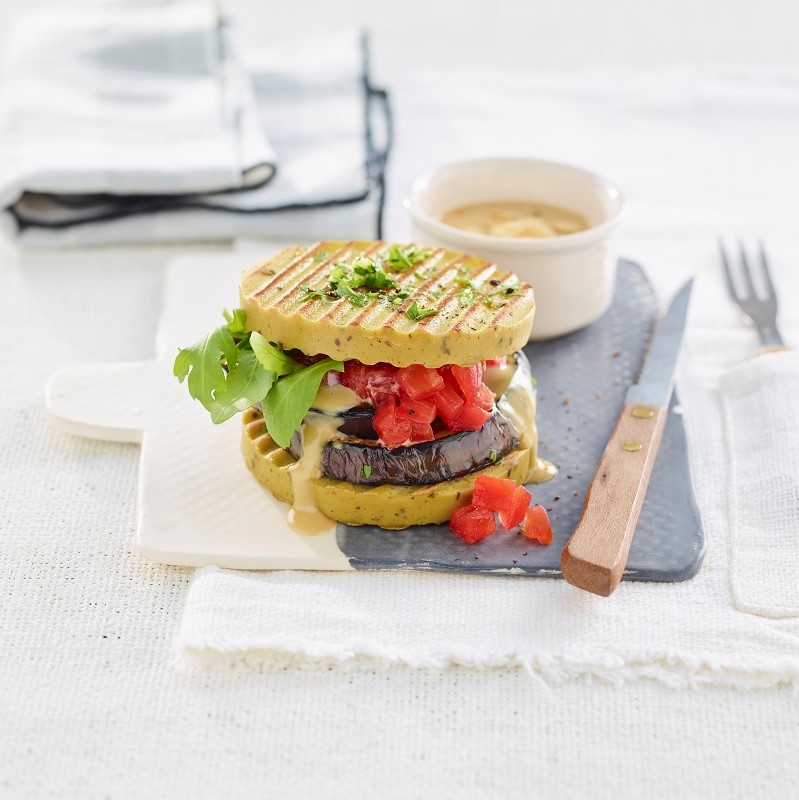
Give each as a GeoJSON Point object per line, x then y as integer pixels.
{"type": "Point", "coordinates": [596, 554]}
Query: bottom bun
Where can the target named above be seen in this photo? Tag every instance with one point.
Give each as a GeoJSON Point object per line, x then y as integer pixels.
{"type": "Point", "coordinates": [387, 506]}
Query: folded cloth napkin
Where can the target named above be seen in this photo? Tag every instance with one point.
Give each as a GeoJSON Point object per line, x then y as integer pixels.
{"type": "Point", "coordinates": [690, 633]}
{"type": "Point", "coordinates": [761, 404]}
{"type": "Point", "coordinates": [135, 123]}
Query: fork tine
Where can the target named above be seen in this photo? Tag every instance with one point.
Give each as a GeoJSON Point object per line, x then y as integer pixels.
{"type": "Point", "coordinates": [727, 272]}
{"type": "Point", "coordinates": [750, 287]}
{"type": "Point", "coordinates": [772, 294]}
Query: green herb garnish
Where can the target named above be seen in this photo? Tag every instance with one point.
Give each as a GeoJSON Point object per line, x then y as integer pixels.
{"type": "Point", "coordinates": [314, 294]}
{"type": "Point", "coordinates": [402, 258]}
{"type": "Point", "coordinates": [366, 471]}
{"type": "Point", "coordinates": [415, 312]}
{"type": "Point", "coordinates": [368, 274]}
{"type": "Point", "coordinates": [498, 297]}
{"type": "Point", "coordinates": [495, 457]}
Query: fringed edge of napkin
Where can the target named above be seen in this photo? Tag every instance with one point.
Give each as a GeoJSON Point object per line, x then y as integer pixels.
{"type": "Point", "coordinates": [673, 669]}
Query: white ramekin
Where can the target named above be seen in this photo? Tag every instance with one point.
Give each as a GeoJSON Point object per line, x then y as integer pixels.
{"type": "Point", "coordinates": [573, 275]}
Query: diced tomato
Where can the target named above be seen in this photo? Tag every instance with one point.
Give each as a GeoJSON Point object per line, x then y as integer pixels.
{"type": "Point", "coordinates": [449, 379]}
{"type": "Point", "coordinates": [470, 418]}
{"type": "Point", "coordinates": [448, 404]}
{"type": "Point", "coordinates": [497, 362]}
{"type": "Point", "coordinates": [536, 525]}
{"type": "Point", "coordinates": [421, 432]}
{"type": "Point", "coordinates": [419, 382]}
{"type": "Point", "coordinates": [484, 398]}
{"type": "Point", "coordinates": [381, 388]}
{"type": "Point", "coordinates": [417, 410]}
{"type": "Point", "coordinates": [393, 431]}
{"type": "Point", "coordinates": [472, 523]}
{"type": "Point", "coordinates": [495, 494]}
{"type": "Point", "coordinates": [470, 379]}
{"type": "Point", "coordinates": [520, 502]}
{"type": "Point", "coordinates": [354, 377]}
{"type": "Point", "coordinates": [373, 382]}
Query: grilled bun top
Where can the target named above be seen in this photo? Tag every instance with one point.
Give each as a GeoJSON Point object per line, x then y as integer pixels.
{"type": "Point", "coordinates": [375, 301]}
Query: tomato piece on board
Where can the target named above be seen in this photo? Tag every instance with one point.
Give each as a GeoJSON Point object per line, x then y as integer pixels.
{"type": "Point", "coordinates": [536, 525]}
{"type": "Point", "coordinates": [497, 362]}
{"type": "Point", "coordinates": [472, 523]}
{"type": "Point", "coordinates": [417, 410]}
{"type": "Point", "coordinates": [470, 418]}
{"type": "Point", "coordinates": [484, 398]}
{"type": "Point", "coordinates": [448, 404]}
{"type": "Point", "coordinates": [419, 382]}
{"type": "Point", "coordinates": [421, 432]}
{"type": "Point", "coordinates": [392, 430]}
{"type": "Point", "coordinates": [493, 493]}
{"type": "Point", "coordinates": [520, 502]}
{"type": "Point", "coordinates": [470, 379]}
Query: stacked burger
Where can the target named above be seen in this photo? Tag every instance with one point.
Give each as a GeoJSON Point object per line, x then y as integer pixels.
{"type": "Point", "coordinates": [377, 381]}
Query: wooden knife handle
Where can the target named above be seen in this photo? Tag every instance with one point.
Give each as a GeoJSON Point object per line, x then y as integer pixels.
{"type": "Point", "coordinates": [596, 554]}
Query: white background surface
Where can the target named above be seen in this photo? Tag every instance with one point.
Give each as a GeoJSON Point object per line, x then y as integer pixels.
{"type": "Point", "coordinates": [90, 705]}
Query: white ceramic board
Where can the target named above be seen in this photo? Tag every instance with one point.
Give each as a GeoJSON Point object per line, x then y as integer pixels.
{"type": "Point", "coordinates": [198, 504]}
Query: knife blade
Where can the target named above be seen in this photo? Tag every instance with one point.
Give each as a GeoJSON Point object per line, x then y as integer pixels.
{"type": "Point", "coordinates": [596, 554]}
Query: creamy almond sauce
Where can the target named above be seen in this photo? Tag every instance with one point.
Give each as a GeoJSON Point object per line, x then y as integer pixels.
{"type": "Point", "coordinates": [497, 378]}
{"type": "Point", "coordinates": [516, 219]}
{"type": "Point", "coordinates": [518, 404]}
{"type": "Point", "coordinates": [335, 399]}
{"type": "Point", "coordinates": [304, 517]}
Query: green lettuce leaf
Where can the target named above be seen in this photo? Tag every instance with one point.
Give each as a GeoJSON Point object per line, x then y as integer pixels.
{"type": "Point", "coordinates": [290, 399]}
{"type": "Point", "coordinates": [202, 362]}
{"type": "Point", "coordinates": [270, 357]}
{"type": "Point", "coordinates": [236, 322]}
{"type": "Point", "coordinates": [246, 384]}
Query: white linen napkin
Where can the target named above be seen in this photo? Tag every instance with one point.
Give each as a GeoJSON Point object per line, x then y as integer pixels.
{"type": "Point", "coordinates": [160, 133]}
{"type": "Point", "coordinates": [761, 403]}
{"type": "Point", "coordinates": [689, 633]}
{"type": "Point", "coordinates": [125, 99]}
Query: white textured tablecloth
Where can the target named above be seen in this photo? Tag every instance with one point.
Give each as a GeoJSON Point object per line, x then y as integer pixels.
{"type": "Point", "coordinates": [89, 703]}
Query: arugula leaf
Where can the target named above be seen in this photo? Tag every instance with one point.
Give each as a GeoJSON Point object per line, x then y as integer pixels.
{"type": "Point", "coordinates": [272, 358]}
{"type": "Point", "coordinates": [202, 362]}
{"type": "Point", "coordinates": [236, 322]}
{"type": "Point", "coordinates": [416, 312]}
{"type": "Point", "coordinates": [247, 383]}
{"type": "Point", "coordinates": [366, 471]}
{"type": "Point", "coordinates": [290, 399]}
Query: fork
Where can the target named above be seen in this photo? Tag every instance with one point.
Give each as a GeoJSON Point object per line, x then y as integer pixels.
{"type": "Point", "coordinates": [758, 311]}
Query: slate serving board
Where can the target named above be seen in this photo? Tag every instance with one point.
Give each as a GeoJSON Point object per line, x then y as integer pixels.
{"type": "Point", "coordinates": [582, 380]}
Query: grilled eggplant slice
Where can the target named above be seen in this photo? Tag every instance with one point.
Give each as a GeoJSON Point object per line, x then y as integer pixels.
{"type": "Point", "coordinates": [439, 460]}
